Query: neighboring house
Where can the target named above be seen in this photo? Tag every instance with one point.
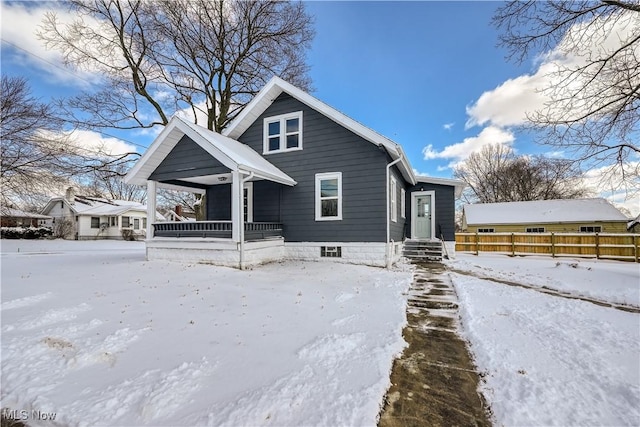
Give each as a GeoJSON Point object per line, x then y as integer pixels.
{"type": "Point", "coordinates": [11, 217]}
{"type": "Point", "coordinates": [633, 226]}
{"type": "Point", "coordinates": [544, 216]}
{"type": "Point", "coordinates": [97, 218]}
{"type": "Point", "coordinates": [292, 178]}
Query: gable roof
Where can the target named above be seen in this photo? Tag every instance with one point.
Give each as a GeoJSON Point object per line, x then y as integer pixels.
{"type": "Point", "coordinates": [276, 86]}
{"type": "Point", "coordinates": [542, 212]}
{"type": "Point", "coordinates": [85, 205]}
{"type": "Point", "coordinates": [229, 152]}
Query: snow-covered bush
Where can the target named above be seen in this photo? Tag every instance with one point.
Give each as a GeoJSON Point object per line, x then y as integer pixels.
{"type": "Point", "coordinates": [25, 233]}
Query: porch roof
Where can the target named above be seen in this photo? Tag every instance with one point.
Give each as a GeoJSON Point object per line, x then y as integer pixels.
{"type": "Point", "coordinates": [228, 151]}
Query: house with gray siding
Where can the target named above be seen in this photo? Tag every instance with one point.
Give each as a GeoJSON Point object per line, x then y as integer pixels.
{"type": "Point", "coordinates": [291, 178]}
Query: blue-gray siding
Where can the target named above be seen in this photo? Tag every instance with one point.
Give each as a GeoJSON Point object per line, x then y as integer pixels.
{"type": "Point", "coordinates": [396, 229]}
{"type": "Point", "coordinates": [327, 147]}
{"type": "Point", "coordinates": [444, 209]}
{"type": "Point", "coordinates": [187, 159]}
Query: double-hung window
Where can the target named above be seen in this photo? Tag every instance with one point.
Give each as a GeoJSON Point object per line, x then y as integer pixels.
{"type": "Point", "coordinates": [329, 196]}
{"type": "Point", "coordinates": [403, 201]}
{"type": "Point", "coordinates": [95, 222]}
{"type": "Point", "coordinates": [283, 133]}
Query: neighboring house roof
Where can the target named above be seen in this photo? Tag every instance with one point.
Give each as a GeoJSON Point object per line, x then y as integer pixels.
{"type": "Point", "coordinates": [459, 185]}
{"type": "Point", "coordinates": [17, 213]}
{"type": "Point", "coordinates": [542, 211]}
{"type": "Point", "coordinates": [276, 86]}
{"type": "Point", "coordinates": [85, 205]}
{"type": "Point", "coordinates": [229, 152]}
{"type": "Point", "coordinates": [633, 223]}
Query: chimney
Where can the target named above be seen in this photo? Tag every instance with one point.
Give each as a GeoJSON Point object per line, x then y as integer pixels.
{"type": "Point", "coordinates": [178, 210]}
{"type": "Point", "coordinates": [70, 195]}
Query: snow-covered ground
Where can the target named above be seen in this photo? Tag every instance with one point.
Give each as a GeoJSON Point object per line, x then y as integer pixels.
{"type": "Point", "coordinates": [550, 360]}
{"type": "Point", "coordinates": [97, 335]}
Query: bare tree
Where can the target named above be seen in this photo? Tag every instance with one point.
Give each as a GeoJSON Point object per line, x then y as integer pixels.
{"type": "Point", "coordinates": [592, 63]}
{"type": "Point", "coordinates": [496, 174]}
{"type": "Point", "coordinates": [36, 156]}
{"type": "Point", "coordinates": [159, 57]}
{"type": "Point", "coordinates": [109, 184]}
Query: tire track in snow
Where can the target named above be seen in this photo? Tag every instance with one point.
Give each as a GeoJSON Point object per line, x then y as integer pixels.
{"type": "Point", "coordinates": [550, 291]}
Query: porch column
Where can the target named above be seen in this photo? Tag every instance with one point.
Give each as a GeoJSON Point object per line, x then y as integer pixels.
{"type": "Point", "coordinates": [236, 205]}
{"type": "Point", "coordinates": [151, 207]}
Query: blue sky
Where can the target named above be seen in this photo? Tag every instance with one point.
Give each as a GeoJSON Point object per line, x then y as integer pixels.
{"type": "Point", "coordinates": [428, 75]}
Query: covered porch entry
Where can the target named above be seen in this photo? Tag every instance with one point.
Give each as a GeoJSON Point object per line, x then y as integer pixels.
{"type": "Point", "coordinates": [186, 157]}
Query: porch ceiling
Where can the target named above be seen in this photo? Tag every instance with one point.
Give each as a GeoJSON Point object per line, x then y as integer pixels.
{"type": "Point", "coordinates": [229, 152]}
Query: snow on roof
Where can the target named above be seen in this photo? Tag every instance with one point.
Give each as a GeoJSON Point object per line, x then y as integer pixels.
{"type": "Point", "coordinates": [542, 211]}
{"type": "Point", "coordinates": [276, 86]}
{"type": "Point", "coordinates": [86, 205]}
{"type": "Point", "coordinates": [459, 185]}
{"type": "Point", "coordinates": [17, 213]}
{"type": "Point", "coordinates": [633, 222]}
{"type": "Point", "coordinates": [231, 153]}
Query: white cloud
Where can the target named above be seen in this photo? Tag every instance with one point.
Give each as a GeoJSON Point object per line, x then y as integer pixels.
{"type": "Point", "coordinates": [448, 126]}
{"type": "Point", "coordinates": [462, 150]}
{"type": "Point", "coordinates": [607, 182]}
{"type": "Point", "coordinates": [20, 23]}
{"type": "Point", "coordinates": [94, 142]}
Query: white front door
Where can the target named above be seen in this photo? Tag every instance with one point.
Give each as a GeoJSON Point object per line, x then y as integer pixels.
{"type": "Point", "coordinates": [422, 215]}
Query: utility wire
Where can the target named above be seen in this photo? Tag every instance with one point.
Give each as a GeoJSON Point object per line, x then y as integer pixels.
{"type": "Point", "coordinates": [75, 75]}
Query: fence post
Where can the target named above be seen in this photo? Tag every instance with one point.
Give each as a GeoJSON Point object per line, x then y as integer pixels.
{"type": "Point", "coordinates": [597, 246]}
{"type": "Point", "coordinates": [477, 245]}
{"type": "Point", "coordinates": [553, 245]}
{"type": "Point", "coordinates": [513, 246]}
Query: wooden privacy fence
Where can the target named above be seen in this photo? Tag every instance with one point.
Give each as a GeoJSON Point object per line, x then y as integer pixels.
{"type": "Point", "coordinates": [596, 245]}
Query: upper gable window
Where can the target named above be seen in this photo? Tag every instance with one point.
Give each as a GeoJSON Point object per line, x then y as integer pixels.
{"type": "Point", "coordinates": [283, 133]}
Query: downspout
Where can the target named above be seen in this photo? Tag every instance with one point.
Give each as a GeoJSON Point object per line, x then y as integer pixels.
{"type": "Point", "coordinates": [250, 176]}
{"type": "Point", "coordinates": [388, 240]}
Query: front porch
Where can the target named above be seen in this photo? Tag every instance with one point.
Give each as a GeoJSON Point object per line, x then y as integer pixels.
{"type": "Point", "coordinates": [216, 229]}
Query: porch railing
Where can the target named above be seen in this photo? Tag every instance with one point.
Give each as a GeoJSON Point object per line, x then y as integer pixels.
{"type": "Point", "coordinates": [219, 229]}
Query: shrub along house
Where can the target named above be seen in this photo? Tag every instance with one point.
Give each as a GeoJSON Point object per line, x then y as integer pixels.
{"type": "Point", "coordinates": [291, 178]}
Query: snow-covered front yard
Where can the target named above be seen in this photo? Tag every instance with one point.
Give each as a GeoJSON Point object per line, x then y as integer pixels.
{"type": "Point", "coordinates": [550, 360]}
{"type": "Point", "coordinates": [97, 335]}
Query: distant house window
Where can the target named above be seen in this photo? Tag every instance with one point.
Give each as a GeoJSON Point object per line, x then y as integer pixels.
{"type": "Point", "coordinates": [591, 229]}
{"type": "Point", "coordinates": [403, 199]}
{"type": "Point", "coordinates": [486, 230]}
{"type": "Point", "coordinates": [283, 133]}
{"type": "Point", "coordinates": [393, 194]}
{"type": "Point", "coordinates": [144, 222]}
{"type": "Point", "coordinates": [136, 224]}
{"type": "Point", "coordinates": [329, 196]}
{"type": "Point", "coordinates": [534, 229]}
{"type": "Point", "coordinates": [125, 222]}
{"type": "Point", "coordinates": [95, 222]}
{"type": "Point", "coordinates": [113, 221]}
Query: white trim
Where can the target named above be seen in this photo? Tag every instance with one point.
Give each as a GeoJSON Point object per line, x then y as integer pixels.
{"type": "Point", "coordinates": [318, 198]}
{"type": "Point", "coordinates": [151, 207]}
{"type": "Point", "coordinates": [414, 195]}
{"type": "Point", "coordinates": [393, 191]}
{"type": "Point", "coordinates": [276, 86]}
{"type": "Point", "coordinates": [236, 207]}
{"type": "Point", "coordinates": [282, 119]}
{"type": "Point", "coordinates": [403, 203]}
{"type": "Point", "coordinates": [249, 187]}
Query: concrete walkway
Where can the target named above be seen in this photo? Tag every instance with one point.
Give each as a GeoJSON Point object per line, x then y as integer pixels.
{"type": "Point", "coordinates": [434, 382]}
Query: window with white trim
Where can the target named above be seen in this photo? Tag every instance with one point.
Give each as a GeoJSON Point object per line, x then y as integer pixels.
{"type": "Point", "coordinates": [282, 133]}
{"type": "Point", "coordinates": [329, 196]}
{"type": "Point", "coordinates": [95, 222]}
{"type": "Point", "coordinates": [590, 229]}
{"type": "Point", "coordinates": [393, 195]}
{"type": "Point", "coordinates": [403, 200]}
{"type": "Point", "coordinates": [486, 230]}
